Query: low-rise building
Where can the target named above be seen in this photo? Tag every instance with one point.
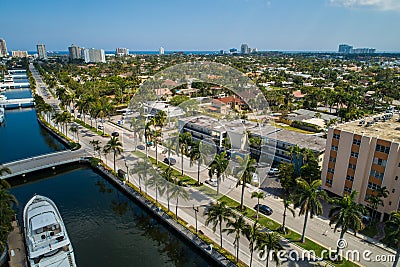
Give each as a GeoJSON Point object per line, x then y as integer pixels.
{"type": "Point", "coordinates": [19, 54]}
{"type": "Point", "coordinates": [364, 156]}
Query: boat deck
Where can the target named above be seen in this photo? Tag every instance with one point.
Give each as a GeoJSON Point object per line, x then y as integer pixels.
{"type": "Point", "coordinates": [16, 245]}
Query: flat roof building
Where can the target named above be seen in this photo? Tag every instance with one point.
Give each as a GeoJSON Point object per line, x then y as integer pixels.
{"type": "Point", "coordinates": [364, 156]}
{"type": "Point", "coordinates": [3, 48]}
{"type": "Point", "coordinates": [19, 54]}
{"type": "Point", "coordinates": [41, 49]}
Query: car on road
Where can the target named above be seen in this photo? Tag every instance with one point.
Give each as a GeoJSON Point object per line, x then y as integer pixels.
{"type": "Point", "coordinates": [100, 127]}
{"type": "Point", "coordinates": [170, 161]}
{"type": "Point", "coordinates": [273, 171]}
{"type": "Point", "coordinates": [213, 183]}
{"type": "Point", "coordinates": [264, 209]}
{"type": "Point", "coordinates": [115, 134]}
{"type": "Point", "coordinates": [141, 147]}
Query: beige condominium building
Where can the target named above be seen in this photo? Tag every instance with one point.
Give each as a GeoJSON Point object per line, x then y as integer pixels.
{"type": "Point", "coordinates": [363, 156]}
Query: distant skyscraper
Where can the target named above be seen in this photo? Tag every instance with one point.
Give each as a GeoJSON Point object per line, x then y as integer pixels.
{"type": "Point", "coordinates": [233, 50]}
{"type": "Point", "coordinates": [74, 52]}
{"type": "Point", "coordinates": [345, 49]}
{"type": "Point", "coordinates": [41, 50]}
{"type": "Point", "coordinates": [85, 55]}
{"type": "Point", "coordinates": [244, 48]}
{"type": "Point", "coordinates": [3, 48]}
{"type": "Point", "coordinates": [161, 51]}
{"type": "Point", "coordinates": [19, 53]}
{"type": "Point", "coordinates": [121, 52]}
{"type": "Point", "coordinates": [97, 55]}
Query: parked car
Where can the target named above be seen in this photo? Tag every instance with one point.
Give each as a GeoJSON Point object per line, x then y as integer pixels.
{"type": "Point", "coordinates": [213, 183]}
{"type": "Point", "coordinates": [170, 161]}
{"type": "Point", "coordinates": [273, 171]}
{"type": "Point", "coordinates": [141, 147]}
{"type": "Point", "coordinates": [100, 127]}
{"type": "Point", "coordinates": [264, 209]}
{"type": "Point", "coordinates": [366, 220]}
{"type": "Point", "coordinates": [115, 134]}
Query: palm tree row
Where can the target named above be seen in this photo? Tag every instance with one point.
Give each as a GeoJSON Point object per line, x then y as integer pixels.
{"type": "Point", "coordinates": [265, 242]}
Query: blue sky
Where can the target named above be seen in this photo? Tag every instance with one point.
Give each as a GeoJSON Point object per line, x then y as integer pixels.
{"type": "Point", "coordinates": [201, 25]}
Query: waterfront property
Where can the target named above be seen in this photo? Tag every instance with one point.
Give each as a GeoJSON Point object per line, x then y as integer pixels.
{"type": "Point", "coordinates": [273, 143]}
{"type": "Point", "coordinates": [364, 156]}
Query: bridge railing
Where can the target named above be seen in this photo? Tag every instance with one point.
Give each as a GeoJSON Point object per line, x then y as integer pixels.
{"type": "Point", "coordinates": [36, 157]}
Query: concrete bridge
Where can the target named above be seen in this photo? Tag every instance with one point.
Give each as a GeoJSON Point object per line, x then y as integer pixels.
{"type": "Point", "coordinates": [24, 166]}
{"type": "Point", "coordinates": [17, 103]}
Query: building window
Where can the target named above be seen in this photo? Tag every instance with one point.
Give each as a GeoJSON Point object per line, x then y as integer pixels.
{"type": "Point", "coordinates": [347, 189]}
{"type": "Point", "coordinates": [373, 186]}
{"type": "Point", "coordinates": [352, 166]}
{"type": "Point", "coordinates": [336, 136]}
{"type": "Point", "coordinates": [396, 178]}
{"type": "Point", "coordinates": [354, 154]}
{"type": "Point", "coordinates": [390, 203]}
{"type": "Point", "coordinates": [380, 162]}
{"type": "Point", "coordinates": [376, 174]}
{"type": "Point", "coordinates": [393, 190]}
{"type": "Point", "coordinates": [329, 182]}
{"type": "Point", "coordinates": [383, 149]}
{"type": "Point", "coordinates": [331, 170]}
{"type": "Point", "coordinates": [332, 159]}
{"type": "Point", "coordinates": [357, 142]}
{"type": "Point", "coordinates": [334, 148]}
{"type": "Point", "coordinates": [350, 178]}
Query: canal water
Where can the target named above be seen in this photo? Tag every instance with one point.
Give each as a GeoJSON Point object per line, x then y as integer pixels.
{"type": "Point", "coordinates": [106, 228]}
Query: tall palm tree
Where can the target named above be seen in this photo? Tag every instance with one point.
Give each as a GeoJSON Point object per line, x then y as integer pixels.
{"type": "Point", "coordinates": [177, 191]}
{"type": "Point", "coordinates": [185, 140]}
{"type": "Point", "coordinates": [143, 169]}
{"type": "Point", "coordinates": [74, 131]}
{"type": "Point", "coordinates": [287, 202]}
{"type": "Point", "coordinates": [169, 177]}
{"type": "Point", "coordinates": [245, 174]}
{"type": "Point", "coordinates": [270, 244]}
{"type": "Point", "coordinates": [253, 234]}
{"type": "Point", "coordinates": [346, 214]}
{"type": "Point", "coordinates": [308, 198]}
{"type": "Point", "coordinates": [115, 146]}
{"type": "Point", "coordinates": [155, 181]}
{"type": "Point", "coordinates": [376, 199]}
{"type": "Point", "coordinates": [393, 232]}
{"type": "Point", "coordinates": [216, 214]}
{"type": "Point", "coordinates": [218, 167]}
{"type": "Point", "coordinates": [237, 227]}
{"type": "Point", "coordinates": [169, 145]}
{"type": "Point", "coordinates": [137, 125]}
{"type": "Point", "coordinates": [259, 195]}
{"type": "Point", "coordinates": [155, 137]}
{"type": "Point", "coordinates": [198, 152]}
{"type": "Point", "coordinates": [96, 146]}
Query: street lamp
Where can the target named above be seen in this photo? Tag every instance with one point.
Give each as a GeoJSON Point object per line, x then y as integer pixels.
{"type": "Point", "coordinates": [127, 168]}
{"type": "Point", "coordinates": [196, 210]}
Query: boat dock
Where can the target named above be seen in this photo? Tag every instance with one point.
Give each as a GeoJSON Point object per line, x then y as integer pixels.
{"type": "Point", "coordinates": [16, 247]}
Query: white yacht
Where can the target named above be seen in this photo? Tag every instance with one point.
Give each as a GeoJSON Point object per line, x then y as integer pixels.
{"type": "Point", "coordinates": [3, 98]}
{"type": "Point", "coordinates": [2, 115]}
{"type": "Point", "coordinates": [46, 237]}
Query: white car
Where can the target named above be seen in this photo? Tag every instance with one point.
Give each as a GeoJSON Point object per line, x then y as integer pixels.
{"type": "Point", "coordinates": [273, 171]}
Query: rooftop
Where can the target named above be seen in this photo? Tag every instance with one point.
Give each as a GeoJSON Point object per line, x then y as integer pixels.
{"type": "Point", "coordinates": [387, 130]}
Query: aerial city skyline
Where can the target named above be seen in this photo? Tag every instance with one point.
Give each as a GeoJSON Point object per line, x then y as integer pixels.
{"type": "Point", "coordinates": [267, 25]}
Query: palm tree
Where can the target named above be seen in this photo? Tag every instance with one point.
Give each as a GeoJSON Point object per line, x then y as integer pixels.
{"type": "Point", "coordinates": [177, 191]}
{"type": "Point", "coordinates": [137, 125]}
{"type": "Point", "coordinates": [393, 232]}
{"type": "Point", "coordinates": [236, 227]}
{"type": "Point", "coordinates": [169, 145]}
{"type": "Point", "coordinates": [115, 146]}
{"type": "Point", "coordinates": [216, 214]}
{"type": "Point", "coordinates": [258, 195]}
{"type": "Point", "coordinates": [168, 175]}
{"type": "Point", "coordinates": [155, 136]}
{"type": "Point", "coordinates": [245, 174]}
{"type": "Point", "coordinates": [376, 200]}
{"type": "Point", "coordinates": [253, 234]}
{"type": "Point", "coordinates": [74, 131]}
{"type": "Point", "coordinates": [142, 168]}
{"type": "Point", "coordinates": [270, 243]}
{"type": "Point", "coordinates": [198, 152]}
{"type": "Point", "coordinates": [185, 140]}
{"type": "Point", "coordinates": [287, 202]}
{"type": "Point", "coordinates": [346, 214]}
{"type": "Point", "coordinates": [218, 167]}
{"type": "Point", "coordinates": [96, 146]}
{"type": "Point", "coordinates": [7, 213]}
{"type": "Point", "coordinates": [155, 181]}
{"type": "Point", "coordinates": [307, 198]}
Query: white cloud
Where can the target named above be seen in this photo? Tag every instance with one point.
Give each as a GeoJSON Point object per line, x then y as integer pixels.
{"type": "Point", "coordinates": [376, 4]}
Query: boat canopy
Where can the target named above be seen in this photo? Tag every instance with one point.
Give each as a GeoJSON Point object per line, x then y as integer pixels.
{"type": "Point", "coordinates": [45, 219]}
